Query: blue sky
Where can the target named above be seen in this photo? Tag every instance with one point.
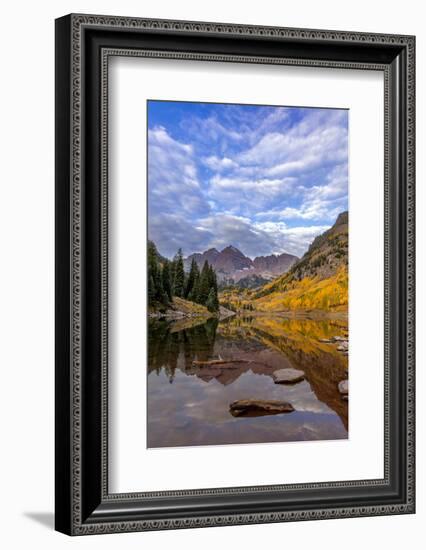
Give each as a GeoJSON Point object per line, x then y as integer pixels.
{"type": "Point", "coordinates": [264, 179]}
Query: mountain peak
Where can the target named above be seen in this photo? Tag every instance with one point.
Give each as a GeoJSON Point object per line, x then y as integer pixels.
{"type": "Point", "coordinates": [342, 218]}
{"type": "Point", "coordinates": [232, 249]}
{"type": "Point", "coordinates": [231, 259]}
{"type": "Point", "coordinates": [231, 263]}
{"type": "Point", "coordinates": [212, 251]}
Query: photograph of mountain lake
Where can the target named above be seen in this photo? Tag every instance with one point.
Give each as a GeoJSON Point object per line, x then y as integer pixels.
{"type": "Point", "coordinates": [248, 337]}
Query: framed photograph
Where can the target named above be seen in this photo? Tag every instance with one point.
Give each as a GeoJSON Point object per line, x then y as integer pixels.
{"type": "Point", "coordinates": [234, 274]}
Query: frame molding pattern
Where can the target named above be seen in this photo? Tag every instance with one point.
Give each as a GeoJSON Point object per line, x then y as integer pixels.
{"type": "Point", "coordinates": [76, 270]}
{"type": "Point", "coordinates": [78, 24]}
{"type": "Point", "coordinates": [106, 54]}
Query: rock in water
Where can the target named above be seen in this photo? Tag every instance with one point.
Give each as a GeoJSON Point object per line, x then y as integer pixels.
{"type": "Point", "coordinates": [344, 387]}
{"type": "Point", "coordinates": [288, 376]}
{"type": "Point", "coordinates": [255, 407]}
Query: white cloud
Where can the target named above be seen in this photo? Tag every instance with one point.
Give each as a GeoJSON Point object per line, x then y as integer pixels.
{"type": "Point", "coordinates": [171, 231]}
{"type": "Point", "coordinates": [291, 166]}
{"type": "Point", "coordinates": [260, 185]}
{"type": "Point", "coordinates": [292, 153]}
{"type": "Point", "coordinates": [209, 133]}
{"type": "Point", "coordinates": [322, 202]}
{"type": "Point", "coordinates": [316, 209]}
{"type": "Point", "coordinates": [294, 240]}
{"type": "Point", "coordinates": [219, 164]}
{"type": "Point", "coordinates": [172, 174]}
{"type": "Point", "coordinates": [245, 178]}
{"type": "Point", "coordinates": [159, 137]}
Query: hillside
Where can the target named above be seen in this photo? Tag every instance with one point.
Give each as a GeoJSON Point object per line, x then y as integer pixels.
{"type": "Point", "coordinates": [327, 253]}
{"type": "Point", "coordinates": [178, 308]}
{"type": "Point", "coordinates": [330, 293]}
{"type": "Point", "coordinates": [154, 249]}
{"type": "Point", "coordinates": [273, 264]}
{"type": "Point", "coordinates": [252, 281]}
{"type": "Point", "coordinates": [319, 280]}
{"type": "Point", "coordinates": [189, 308]}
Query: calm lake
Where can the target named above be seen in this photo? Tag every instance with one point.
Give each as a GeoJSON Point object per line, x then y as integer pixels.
{"type": "Point", "coordinates": [189, 405]}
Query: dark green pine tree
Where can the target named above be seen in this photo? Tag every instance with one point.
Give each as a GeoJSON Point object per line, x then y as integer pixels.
{"type": "Point", "coordinates": [179, 275]}
{"type": "Point", "coordinates": [172, 273]}
{"type": "Point", "coordinates": [195, 292]}
{"type": "Point", "coordinates": [212, 303]}
{"type": "Point", "coordinates": [166, 279]}
{"type": "Point", "coordinates": [213, 278]}
{"type": "Point", "coordinates": [158, 283]}
{"type": "Point", "coordinates": [152, 273]}
{"type": "Point", "coordinates": [216, 299]}
{"type": "Point", "coordinates": [193, 274]}
{"type": "Point", "coordinates": [151, 291]}
{"type": "Point", "coordinates": [213, 286]}
{"type": "Point", "coordinates": [204, 287]}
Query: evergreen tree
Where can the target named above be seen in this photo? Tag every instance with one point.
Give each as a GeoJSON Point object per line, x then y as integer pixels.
{"type": "Point", "coordinates": [153, 272]}
{"type": "Point", "coordinates": [172, 273]}
{"type": "Point", "coordinates": [166, 279]}
{"type": "Point", "coordinates": [204, 287]}
{"type": "Point", "coordinates": [157, 294]}
{"type": "Point", "coordinates": [212, 302]}
{"type": "Point", "coordinates": [212, 278]}
{"type": "Point", "coordinates": [158, 285]}
{"type": "Point", "coordinates": [193, 274]}
{"type": "Point", "coordinates": [195, 292]}
{"type": "Point", "coordinates": [151, 291]}
{"type": "Point", "coordinates": [215, 285]}
{"type": "Point", "coordinates": [179, 276]}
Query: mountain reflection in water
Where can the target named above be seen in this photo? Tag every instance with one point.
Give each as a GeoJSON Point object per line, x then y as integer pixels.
{"type": "Point", "coordinates": [189, 405]}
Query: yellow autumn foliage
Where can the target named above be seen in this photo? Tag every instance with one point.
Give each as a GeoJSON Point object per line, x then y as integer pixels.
{"type": "Point", "coordinates": [284, 333]}
{"type": "Point", "coordinates": [309, 293]}
{"type": "Point", "coordinates": [187, 307]}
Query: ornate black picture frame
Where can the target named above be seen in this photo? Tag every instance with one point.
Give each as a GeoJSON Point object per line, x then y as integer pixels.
{"type": "Point", "coordinates": [83, 45]}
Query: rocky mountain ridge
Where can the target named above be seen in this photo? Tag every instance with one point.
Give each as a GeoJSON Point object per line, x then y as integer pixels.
{"type": "Point", "coordinates": [232, 264]}
{"type": "Point", "coordinates": [327, 253]}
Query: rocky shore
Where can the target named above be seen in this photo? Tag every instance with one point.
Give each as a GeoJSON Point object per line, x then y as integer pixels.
{"type": "Point", "coordinates": [341, 343]}
{"type": "Point", "coordinates": [184, 309]}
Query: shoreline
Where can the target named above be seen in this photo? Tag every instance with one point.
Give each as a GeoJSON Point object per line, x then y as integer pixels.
{"type": "Point", "coordinates": [314, 314]}
{"type": "Point", "coordinates": [175, 315]}
{"type": "Point", "coordinates": [171, 315]}
{"type": "Point", "coordinates": [286, 314]}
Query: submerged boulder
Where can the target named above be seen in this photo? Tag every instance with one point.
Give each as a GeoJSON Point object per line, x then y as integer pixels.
{"type": "Point", "coordinates": [288, 376]}
{"type": "Point", "coordinates": [257, 407]}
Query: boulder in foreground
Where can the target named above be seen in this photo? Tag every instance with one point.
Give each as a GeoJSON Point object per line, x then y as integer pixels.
{"type": "Point", "coordinates": [255, 407]}
{"type": "Point", "coordinates": [288, 376]}
{"type": "Point", "coordinates": [343, 387]}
